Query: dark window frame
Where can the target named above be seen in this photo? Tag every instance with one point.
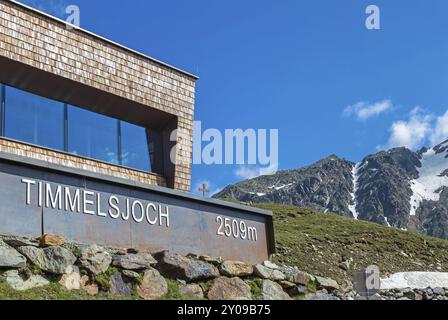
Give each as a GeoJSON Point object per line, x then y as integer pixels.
{"type": "Point", "coordinates": [65, 133]}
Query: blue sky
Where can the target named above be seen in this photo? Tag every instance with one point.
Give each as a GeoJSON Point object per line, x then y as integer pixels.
{"type": "Point", "coordinates": [308, 68]}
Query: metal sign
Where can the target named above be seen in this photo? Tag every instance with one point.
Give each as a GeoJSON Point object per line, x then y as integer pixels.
{"type": "Point", "coordinates": [37, 197]}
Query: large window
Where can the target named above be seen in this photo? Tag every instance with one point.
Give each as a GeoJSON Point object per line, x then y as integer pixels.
{"type": "Point", "coordinates": [135, 147]}
{"type": "Point", "coordinates": [34, 119]}
{"type": "Point", "coordinates": [30, 118]}
{"type": "Point", "coordinates": [92, 135]}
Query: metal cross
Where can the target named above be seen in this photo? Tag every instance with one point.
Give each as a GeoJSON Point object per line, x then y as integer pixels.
{"type": "Point", "coordinates": [204, 189]}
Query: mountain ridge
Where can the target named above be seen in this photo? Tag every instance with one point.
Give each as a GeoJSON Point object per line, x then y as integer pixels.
{"type": "Point", "coordinates": [396, 187]}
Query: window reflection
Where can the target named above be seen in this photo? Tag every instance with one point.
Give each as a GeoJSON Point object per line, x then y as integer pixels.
{"type": "Point", "coordinates": [92, 135]}
{"type": "Point", "coordinates": [34, 119]}
{"type": "Point", "coordinates": [135, 148]}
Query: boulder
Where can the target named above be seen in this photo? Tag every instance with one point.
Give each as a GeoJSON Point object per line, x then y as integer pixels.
{"type": "Point", "coordinates": [229, 289]}
{"type": "Point", "coordinates": [192, 290]}
{"type": "Point", "coordinates": [17, 282]}
{"type": "Point", "coordinates": [206, 258]}
{"type": "Point", "coordinates": [57, 260]}
{"type": "Point", "coordinates": [16, 242]}
{"type": "Point", "coordinates": [89, 287]}
{"type": "Point", "coordinates": [327, 283]}
{"type": "Point", "coordinates": [10, 258]}
{"type": "Point", "coordinates": [48, 240]}
{"type": "Point", "coordinates": [130, 274]}
{"type": "Point", "coordinates": [273, 291]}
{"type": "Point", "coordinates": [267, 273]}
{"type": "Point", "coordinates": [438, 291]}
{"type": "Point", "coordinates": [72, 280]}
{"type": "Point", "coordinates": [236, 269]}
{"type": "Point", "coordinates": [321, 295]}
{"type": "Point", "coordinates": [301, 278]}
{"type": "Point", "coordinates": [95, 259]}
{"type": "Point", "coordinates": [271, 265]}
{"type": "Point", "coordinates": [153, 285]}
{"type": "Point", "coordinates": [286, 284]}
{"type": "Point", "coordinates": [137, 261]}
{"type": "Point", "coordinates": [118, 286]}
{"type": "Point", "coordinates": [413, 295]}
{"type": "Point", "coordinates": [176, 266]}
{"type": "Point", "coordinates": [297, 290]}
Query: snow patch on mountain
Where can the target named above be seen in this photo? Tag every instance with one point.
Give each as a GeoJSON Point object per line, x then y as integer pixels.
{"type": "Point", "coordinates": [277, 188]}
{"type": "Point", "coordinates": [258, 194]}
{"type": "Point", "coordinates": [430, 182]}
{"type": "Point", "coordinates": [355, 175]}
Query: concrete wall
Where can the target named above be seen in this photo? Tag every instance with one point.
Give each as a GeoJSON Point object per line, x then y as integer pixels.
{"type": "Point", "coordinates": [45, 44]}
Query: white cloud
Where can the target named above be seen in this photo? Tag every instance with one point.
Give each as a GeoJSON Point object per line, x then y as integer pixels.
{"type": "Point", "coordinates": [411, 133]}
{"type": "Point", "coordinates": [364, 110]}
{"type": "Point", "coordinates": [420, 129]}
{"type": "Point", "coordinates": [247, 172]}
{"type": "Point", "coordinates": [440, 131]}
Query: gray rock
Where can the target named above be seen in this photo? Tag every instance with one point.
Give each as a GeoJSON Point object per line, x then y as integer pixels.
{"type": "Point", "coordinates": [95, 259]}
{"type": "Point", "coordinates": [321, 295]}
{"type": "Point", "coordinates": [17, 242]}
{"type": "Point", "coordinates": [267, 273]}
{"type": "Point", "coordinates": [17, 282]}
{"type": "Point", "coordinates": [176, 266]}
{"type": "Point", "coordinates": [438, 291]}
{"type": "Point", "coordinates": [130, 274]}
{"type": "Point", "coordinates": [428, 295]}
{"type": "Point", "coordinates": [72, 280]}
{"type": "Point", "coordinates": [273, 291]}
{"type": "Point", "coordinates": [302, 278]}
{"type": "Point", "coordinates": [286, 284]}
{"type": "Point", "coordinates": [10, 258]}
{"type": "Point", "coordinates": [192, 290]}
{"type": "Point", "coordinates": [271, 265]}
{"type": "Point", "coordinates": [137, 261]}
{"type": "Point", "coordinates": [57, 260]}
{"type": "Point", "coordinates": [236, 269]}
{"type": "Point", "coordinates": [327, 283]}
{"type": "Point", "coordinates": [229, 289]}
{"type": "Point", "coordinates": [413, 295]}
{"type": "Point", "coordinates": [297, 290]}
{"type": "Point", "coordinates": [216, 261]}
{"type": "Point", "coordinates": [153, 286]}
{"type": "Point", "coordinates": [118, 286]}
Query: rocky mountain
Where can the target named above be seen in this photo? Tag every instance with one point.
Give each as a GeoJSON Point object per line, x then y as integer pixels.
{"type": "Point", "coordinates": [398, 188]}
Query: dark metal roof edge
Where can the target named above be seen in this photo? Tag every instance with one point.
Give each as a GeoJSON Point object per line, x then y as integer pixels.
{"type": "Point", "coordinates": [107, 178]}
{"type": "Point", "coordinates": [189, 74]}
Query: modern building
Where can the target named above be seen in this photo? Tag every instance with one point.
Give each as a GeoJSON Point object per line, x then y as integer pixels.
{"type": "Point", "coordinates": [102, 107]}
{"type": "Point", "coordinates": [89, 125]}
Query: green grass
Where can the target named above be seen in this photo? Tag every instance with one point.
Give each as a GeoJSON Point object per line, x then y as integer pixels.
{"type": "Point", "coordinates": [54, 291]}
{"type": "Point", "coordinates": [255, 288]}
{"type": "Point", "coordinates": [174, 292]}
{"type": "Point", "coordinates": [318, 243]}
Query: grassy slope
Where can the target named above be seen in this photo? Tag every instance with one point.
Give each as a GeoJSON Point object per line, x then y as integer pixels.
{"type": "Point", "coordinates": [317, 243]}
